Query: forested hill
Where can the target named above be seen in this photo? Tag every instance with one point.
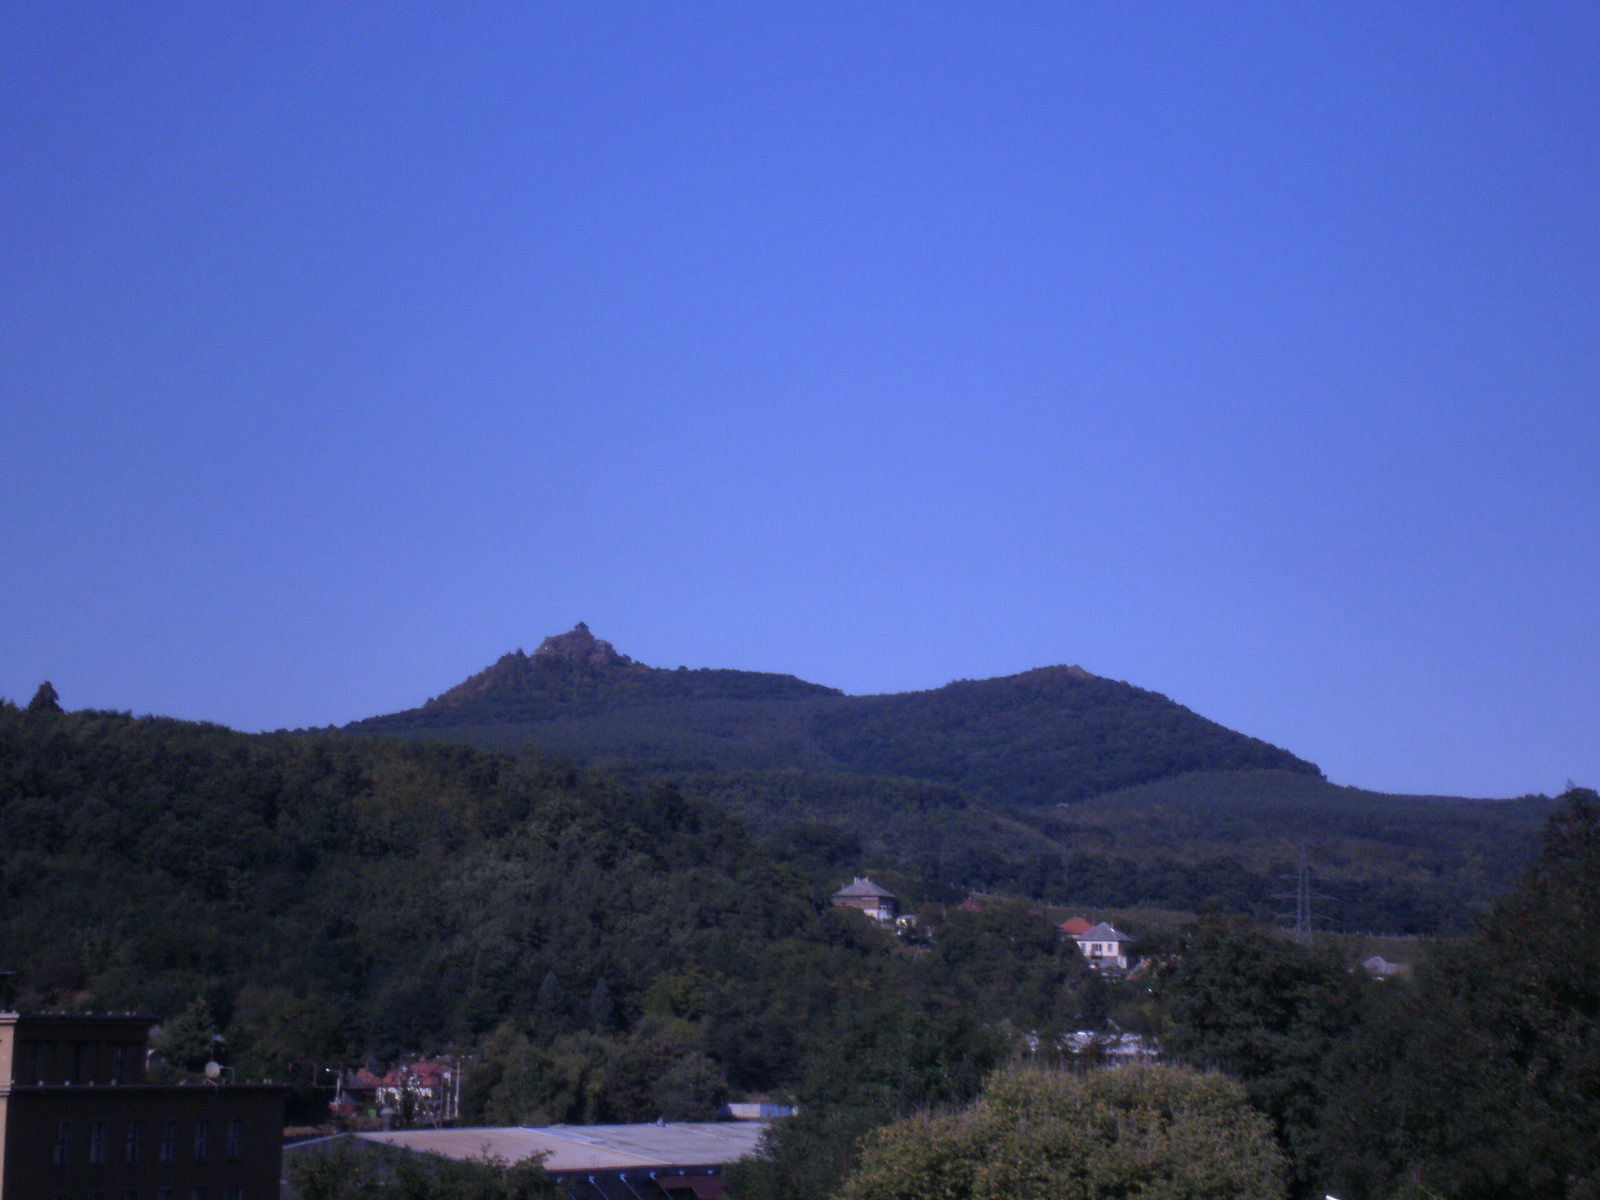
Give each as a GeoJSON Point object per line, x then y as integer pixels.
{"type": "Point", "coordinates": [326, 895]}
{"type": "Point", "coordinates": [1051, 783]}
{"type": "Point", "coordinates": [1042, 737]}
{"type": "Point", "coordinates": [607, 952]}
{"type": "Point", "coordinates": [1046, 736]}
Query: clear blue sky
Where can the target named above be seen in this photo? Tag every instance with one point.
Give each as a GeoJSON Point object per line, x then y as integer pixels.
{"type": "Point", "coordinates": [1248, 353]}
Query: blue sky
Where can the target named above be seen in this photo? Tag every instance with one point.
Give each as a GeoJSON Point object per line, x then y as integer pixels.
{"type": "Point", "coordinates": [1247, 354]}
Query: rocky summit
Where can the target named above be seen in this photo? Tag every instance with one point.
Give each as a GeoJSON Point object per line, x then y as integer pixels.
{"type": "Point", "coordinates": [580, 646]}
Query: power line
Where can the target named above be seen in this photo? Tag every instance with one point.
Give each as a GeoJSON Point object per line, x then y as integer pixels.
{"type": "Point", "coordinates": [1303, 920]}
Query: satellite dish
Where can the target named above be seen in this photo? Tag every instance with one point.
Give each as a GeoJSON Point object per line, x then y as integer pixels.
{"type": "Point", "coordinates": [213, 1070]}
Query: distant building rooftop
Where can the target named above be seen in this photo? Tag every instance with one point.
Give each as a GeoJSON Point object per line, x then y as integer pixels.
{"type": "Point", "coordinates": [863, 887]}
{"type": "Point", "coordinates": [589, 1147]}
{"type": "Point", "coordinates": [1103, 933]}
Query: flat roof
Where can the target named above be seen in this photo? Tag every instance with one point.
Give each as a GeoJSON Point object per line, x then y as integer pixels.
{"type": "Point", "coordinates": [12, 1018]}
{"type": "Point", "coordinates": [590, 1147]}
{"type": "Point", "coordinates": [120, 1025]}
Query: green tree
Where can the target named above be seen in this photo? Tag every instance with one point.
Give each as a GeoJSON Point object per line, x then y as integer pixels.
{"type": "Point", "coordinates": [1014, 956]}
{"type": "Point", "coordinates": [1482, 1079]}
{"type": "Point", "coordinates": [549, 1006]}
{"type": "Point", "coordinates": [1267, 1011]}
{"type": "Point", "coordinates": [1156, 1133]}
{"type": "Point", "coordinates": [187, 1039]}
{"type": "Point", "coordinates": [657, 1075]}
{"type": "Point", "coordinates": [45, 699]}
{"type": "Point", "coordinates": [876, 1062]}
{"type": "Point", "coordinates": [602, 1009]}
{"type": "Point", "coordinates": [520, 1084]}
{"type": "Point", "coordinates": [377, 1173]}
{"type": "Point", "coordinates": [272, 1027]}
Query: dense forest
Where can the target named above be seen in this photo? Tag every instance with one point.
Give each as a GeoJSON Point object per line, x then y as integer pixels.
{"type": "Point", "coordinates": [1050, 784]}
{"type": "Point", "coordinates": [604, 947]}
{"type": "Point", "coordinates": [329, 898]}
{"type": "Point", "coordinates": [1475, 1077]}
{"type": "Point", "coordinates": [1389, 864]}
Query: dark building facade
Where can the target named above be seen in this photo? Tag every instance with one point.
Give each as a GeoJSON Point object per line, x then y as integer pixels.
{"type": "Point", "coordinates": [79, 1122]}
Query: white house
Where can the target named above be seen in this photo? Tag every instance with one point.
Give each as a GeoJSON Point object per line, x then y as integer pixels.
{"type": "Point", "coordinates": [1104, 947]}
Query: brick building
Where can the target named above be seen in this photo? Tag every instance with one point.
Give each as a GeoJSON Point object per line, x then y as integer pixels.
{"type": "Point", "coordinates": [878, 903]}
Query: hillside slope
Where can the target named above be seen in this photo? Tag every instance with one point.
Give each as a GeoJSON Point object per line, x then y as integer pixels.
{"type": "Point", "coordinates": [604, 952]}
{"type": "Point", "coordinates": [1387, 863]}
{"type": "Point", "coordinates": [1053, 783]}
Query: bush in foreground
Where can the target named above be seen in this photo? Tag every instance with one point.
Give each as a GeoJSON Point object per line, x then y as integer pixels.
{"type": "Point", "coordinates": [1158, 1133]}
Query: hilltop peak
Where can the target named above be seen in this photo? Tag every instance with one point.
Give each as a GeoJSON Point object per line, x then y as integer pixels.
{"type": "Point", "coordinates": [563, 661]}
{"type": "Point", "coordinates": [580, 646]}
{"type": "Point", "coordinates": [575, 675]}
{"type": "Point", "coordinates": [1044, 737]}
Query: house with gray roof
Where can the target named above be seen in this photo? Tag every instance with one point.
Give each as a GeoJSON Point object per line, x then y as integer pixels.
{"type": "Point", "coordinates": [878, 903]}
{"type": "Point", "coordinates": [1104, 947]}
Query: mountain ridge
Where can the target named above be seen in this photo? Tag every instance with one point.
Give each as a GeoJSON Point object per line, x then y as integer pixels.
{"type": "Point", "coordinates": [1049, 735]}
{"type": "Point", "coordinates": [1050, 782]}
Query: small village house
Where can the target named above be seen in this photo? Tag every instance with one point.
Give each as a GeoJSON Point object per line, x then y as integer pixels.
{"type": "Point", "coordinates": [878, 903]}
{"type": "Point", "coordinates": [1104, 947]}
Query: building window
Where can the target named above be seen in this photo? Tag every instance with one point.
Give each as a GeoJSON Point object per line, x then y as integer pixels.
{"type": "Point", "coordinates": [97, 1142]}
{"type": "Point", "coordinates": [133, 1141]}
{"type": "Point", "coordinates": [36, 1062]}
{"type": "Point", "coordinates": [235, 1137]}
{"type": "Point", "coordinates": [63, 1146]}
{"type": "Point", "coordinates": [233, 1193]}
{"type": "Point", "coordinates": [119, 1063]}
{"type": "Point", "coordinates": [79, 1057]}
{"type": "Point", "coordinates": [169, 1142]}
{"type": "Point", "coordinates": [164, 1194]}
{"type": "Point", "coordinates": [198, 1194]}
{"type": "Point", "coordinates": [202, 1135]}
